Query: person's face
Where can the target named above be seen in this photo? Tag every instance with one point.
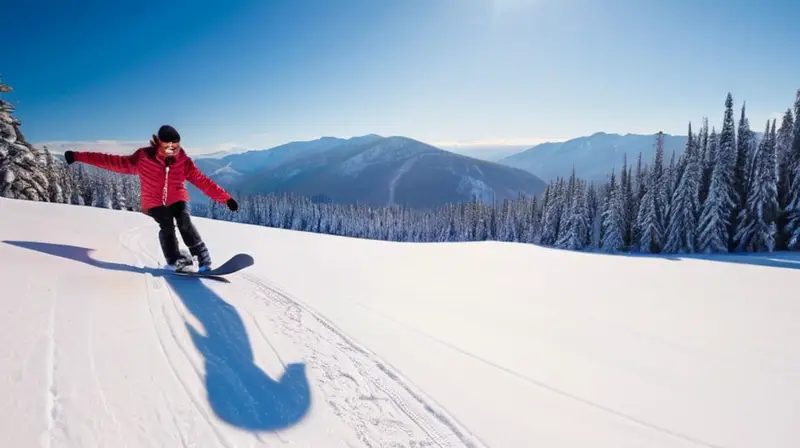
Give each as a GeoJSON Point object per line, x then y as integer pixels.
{"type": "Point", "coordinates": [169, 148]}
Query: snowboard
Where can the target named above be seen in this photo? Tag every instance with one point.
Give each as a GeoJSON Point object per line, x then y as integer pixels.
{"type": "Point", "coordinates": [234, 264]}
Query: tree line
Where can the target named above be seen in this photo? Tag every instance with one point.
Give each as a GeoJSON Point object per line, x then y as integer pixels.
{"type": "Point", "coordinates": [728, 191]}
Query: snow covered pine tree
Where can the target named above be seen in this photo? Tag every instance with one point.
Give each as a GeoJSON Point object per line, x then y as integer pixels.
{"type": "Point", "coordinates": [22, 171]}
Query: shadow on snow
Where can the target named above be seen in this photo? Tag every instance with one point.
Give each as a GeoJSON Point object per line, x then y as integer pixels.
{"type": "Point", "coordinates": [240, 393]}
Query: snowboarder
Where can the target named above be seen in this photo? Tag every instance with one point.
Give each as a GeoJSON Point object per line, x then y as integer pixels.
{"type": "Point", "coordinates": [163, 167]}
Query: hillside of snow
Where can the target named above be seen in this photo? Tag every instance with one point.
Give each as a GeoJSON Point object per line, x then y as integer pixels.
{"type": "Point", "coordinates": [339, 342]}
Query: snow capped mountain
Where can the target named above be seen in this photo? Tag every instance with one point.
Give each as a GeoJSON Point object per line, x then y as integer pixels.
{"type": "Point", "coordinates": [390, 170]}
{"type": "Point", "coordinates": [255, 160]}
{"type": "Point", "coordinates": [346, 342]}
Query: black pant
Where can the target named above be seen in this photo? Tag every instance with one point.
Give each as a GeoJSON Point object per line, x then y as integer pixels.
{"type": "Point", "coordinates": [167, 217]}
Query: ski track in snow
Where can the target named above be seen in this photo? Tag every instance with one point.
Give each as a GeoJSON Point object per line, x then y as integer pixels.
{"type": "Point", "coordinates": [93, 367]}
{"type": "Point", "coordinates": [362, 390]}
{"type": "Point", "coordinates": [51, 397]}
{"type": "Point", "coordinates": [357, 387]}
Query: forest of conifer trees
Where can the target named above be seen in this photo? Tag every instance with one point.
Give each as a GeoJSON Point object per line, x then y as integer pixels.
{"type": "Point", "coordinates": [728, 191]}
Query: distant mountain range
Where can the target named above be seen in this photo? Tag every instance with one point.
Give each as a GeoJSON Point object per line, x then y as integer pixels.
{"type": "Point", "coordinates": [593, 157]}
{"type": "Point", "coordinates": [369, 169]}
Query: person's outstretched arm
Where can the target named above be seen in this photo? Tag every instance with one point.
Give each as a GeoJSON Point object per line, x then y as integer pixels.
{"type": "Point", "coordinates": [112, 162]}
{"type": "Point", "coordinates": [208, 186]}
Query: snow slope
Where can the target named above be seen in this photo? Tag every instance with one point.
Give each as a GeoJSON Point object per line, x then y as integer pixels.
{"type": "Point", "coordinates": [338, 342]}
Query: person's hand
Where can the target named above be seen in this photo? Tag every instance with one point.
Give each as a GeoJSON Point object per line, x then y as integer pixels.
{"type": "Point", "coordinates": [69, 156]}
{"type": "Point", "coordinates": [232, 204]}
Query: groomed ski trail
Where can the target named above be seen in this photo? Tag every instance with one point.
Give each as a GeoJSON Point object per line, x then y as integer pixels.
{"type": "Point", "coordinates": [372, 375]}
{"type": "Point", "coordinates": [352, 384]}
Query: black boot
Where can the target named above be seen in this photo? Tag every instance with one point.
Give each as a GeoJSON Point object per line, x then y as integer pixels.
{"type": "Point", "coordinates": [200, 251]}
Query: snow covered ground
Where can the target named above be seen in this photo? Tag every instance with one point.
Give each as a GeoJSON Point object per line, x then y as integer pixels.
{"type": "Point", "coordinates": [337, 342]}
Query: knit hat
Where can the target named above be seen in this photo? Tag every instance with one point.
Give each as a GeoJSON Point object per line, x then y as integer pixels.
{"type": "Point", "coordinates": [168, 134]}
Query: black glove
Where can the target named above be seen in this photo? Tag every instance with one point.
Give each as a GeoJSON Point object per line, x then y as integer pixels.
{"type": "Point", "coordinates": [69, 156]}
{"type": "Point", "coordinates": [231, 203]}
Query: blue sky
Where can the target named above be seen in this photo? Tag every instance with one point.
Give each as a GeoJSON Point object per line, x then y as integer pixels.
{"type": "Point", "coordinates": [260, 73]}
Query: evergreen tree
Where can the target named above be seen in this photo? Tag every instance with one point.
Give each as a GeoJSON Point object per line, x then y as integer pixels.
{"type": "Point", "coordinates": [668, 184]}
{"type": "Point", "coordinates": [594, 221]}
{"type": "Point", "coordinates": [709, 160]}
{"type": "Point", "coordinates": [794, 152]}
{"type": "Point", "coordinates": [792, 229]}
{"type": "Point", "coordinates": [22, 167]}
{"type": "Point", "coordinates": [715, 233]}
{"type": "Point", "coordinates": [745, 147]}
{"type": "Point", "coordinates": [758, 218]}
{"type": "Point", "coordinates": [575, 227]}
{"type": "Point", "coordinates": [704, 138]}
{"type": "Point", "coordinates": [534, 217]}
{"type": "Point", "coordinates": [650, 220]}
{"type": "Point", "coordinates": [628, 203]}
{"type": "Point", "coordinates": [509, 232]}
{"type": "Point", "coordinates": [133, 194]}
{"type": "Point", "coordinates": [68, 184]}
{"type": "Point", "coordinates": [117, 194]}
{"type": "Point", "coordinates": [550, 224]}
{"type": "Point", "coordinates": [785, 169]}
{"type": "Point", "coordinates": [638, 190]}
{"type": "Point", "coordinates": [613, 219]}
{"type": "Point", "coordinates": [546, 203]}
{"type": "Point", "coordinates": [685, 206]}
{"type": "Point", "coordinates": [55, 191]}
{"type": "Point", "coordinates": [565, 200]}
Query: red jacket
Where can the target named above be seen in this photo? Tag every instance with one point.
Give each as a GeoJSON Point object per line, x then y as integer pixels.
{"type": "Point", "coordinates": [161, 178]}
